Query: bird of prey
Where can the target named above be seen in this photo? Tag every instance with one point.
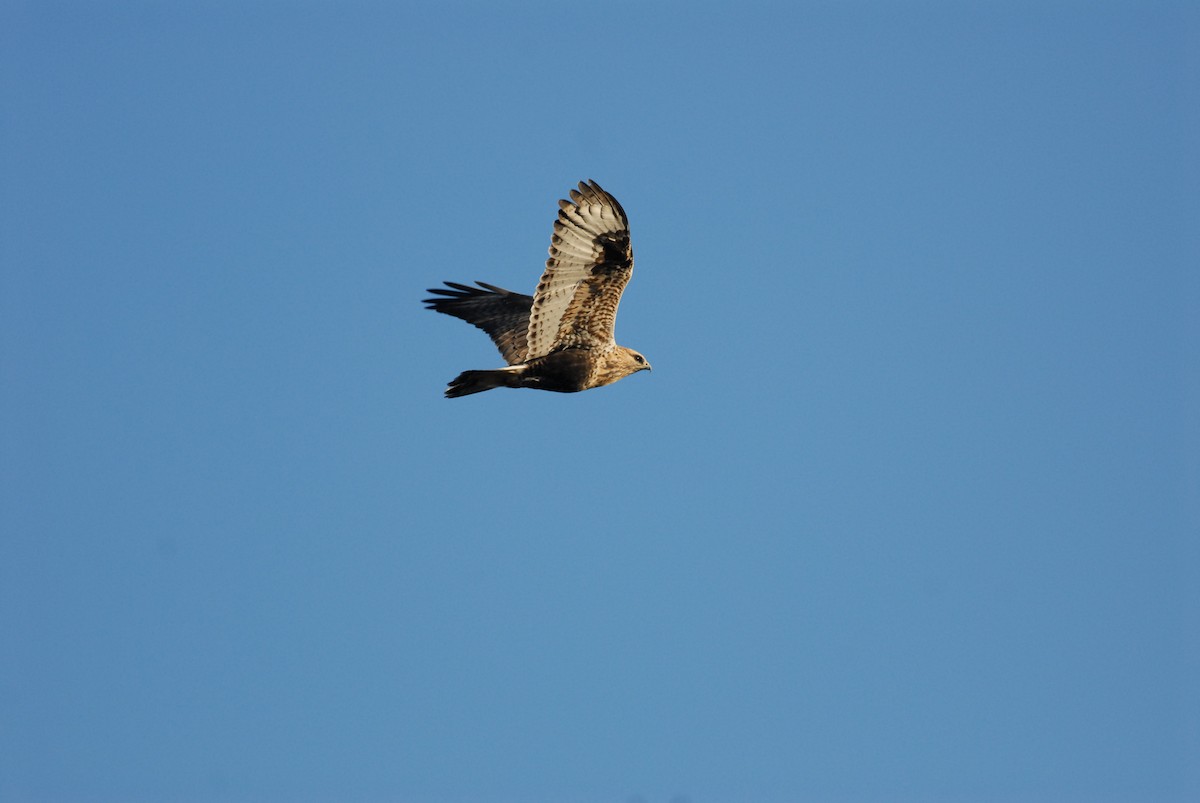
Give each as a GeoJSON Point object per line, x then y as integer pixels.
{"type": "Point", "coordinates": [561, 338]}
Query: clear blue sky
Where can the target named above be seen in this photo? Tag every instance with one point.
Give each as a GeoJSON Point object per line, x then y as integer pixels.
{"type": "Point", "coordinates": [907, 510]}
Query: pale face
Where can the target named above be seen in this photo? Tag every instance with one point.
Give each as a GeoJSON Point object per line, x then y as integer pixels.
{"type": "Point", "coordinates": [620, 363]}
{"type": "Point", "coordinates": [637, 361]}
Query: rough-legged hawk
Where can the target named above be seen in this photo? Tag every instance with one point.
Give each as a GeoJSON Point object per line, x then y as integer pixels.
{"type": "Point", "coordinates": [560, 339]}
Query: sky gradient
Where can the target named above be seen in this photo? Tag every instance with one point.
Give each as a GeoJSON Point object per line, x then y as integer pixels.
{"type": "Point", "coordinates": [907, 510]}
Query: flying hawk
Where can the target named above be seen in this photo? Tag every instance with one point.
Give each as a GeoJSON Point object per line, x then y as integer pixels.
{"type": "Point", "coordinates": [561, 338]}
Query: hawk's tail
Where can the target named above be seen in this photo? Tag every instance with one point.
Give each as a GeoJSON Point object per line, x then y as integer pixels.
{"type": "Point", "coordinates": [469, 382]}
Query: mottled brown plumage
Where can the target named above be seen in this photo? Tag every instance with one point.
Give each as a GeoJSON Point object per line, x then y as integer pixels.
{"type": "Point", "coordinates": [561, 338]}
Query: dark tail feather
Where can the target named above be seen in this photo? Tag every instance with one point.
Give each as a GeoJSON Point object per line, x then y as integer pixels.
{"type": "Point", "coordinates": [469, 382]}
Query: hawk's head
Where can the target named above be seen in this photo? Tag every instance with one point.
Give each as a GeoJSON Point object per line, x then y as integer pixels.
{"type": "Point", "coordinates": [636, 361]}
{"type": "Point", "coordinates": [620, 363]}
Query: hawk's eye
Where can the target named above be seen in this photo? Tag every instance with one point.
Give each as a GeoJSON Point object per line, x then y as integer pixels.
{"type": "Point", "coordinates": [640, 358]}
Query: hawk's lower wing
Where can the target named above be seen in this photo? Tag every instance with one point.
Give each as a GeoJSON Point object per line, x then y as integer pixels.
{"type": "Point", "coordinates": [504, 315]}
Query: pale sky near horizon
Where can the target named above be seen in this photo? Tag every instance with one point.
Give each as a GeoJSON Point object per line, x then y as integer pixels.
{"type": "Point", "coordinates": [906, 511]}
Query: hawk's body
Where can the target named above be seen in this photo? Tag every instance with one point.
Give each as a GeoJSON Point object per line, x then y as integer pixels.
{"type": "Point", "coordinates": [561, 338]}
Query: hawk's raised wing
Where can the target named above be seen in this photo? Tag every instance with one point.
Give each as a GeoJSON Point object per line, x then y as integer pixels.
{"type": "Point", "coordinates": [590, 263]}
{"type": "Point", "coordinates": [504, 315]}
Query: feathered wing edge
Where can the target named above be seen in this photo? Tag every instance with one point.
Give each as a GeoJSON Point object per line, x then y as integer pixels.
{"type": "Point", "coordinates": [502, 314]}
{"type": "Point", "coordinates": [590, 263]}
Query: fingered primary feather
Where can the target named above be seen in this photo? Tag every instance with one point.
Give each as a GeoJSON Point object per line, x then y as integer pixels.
{"type": "Point", "coordinates": [504, 315]}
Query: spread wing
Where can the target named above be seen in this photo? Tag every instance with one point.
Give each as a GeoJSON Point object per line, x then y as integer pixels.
{"type": "Point", "coordinates": [504, 315]}
{"type": "Point", "coordinates": [590, 264]}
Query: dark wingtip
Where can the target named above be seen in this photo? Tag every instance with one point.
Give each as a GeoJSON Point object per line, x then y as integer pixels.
{"type": "Point", "coordinates": [454, 291]}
